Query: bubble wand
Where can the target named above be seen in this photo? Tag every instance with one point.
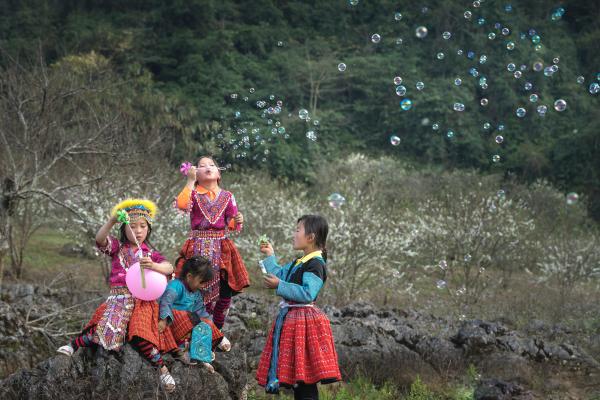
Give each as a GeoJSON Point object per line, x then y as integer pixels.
{"type": "Point", "coordinates": [123, 217]}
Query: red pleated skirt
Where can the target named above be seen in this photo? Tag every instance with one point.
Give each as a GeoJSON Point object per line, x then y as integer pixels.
{"type": "Point", "coordinates": [306, 350]}
{"type": "Point", "coordinates": [143, 323]}
{"type": "Point", "coordinates": [182, 326]}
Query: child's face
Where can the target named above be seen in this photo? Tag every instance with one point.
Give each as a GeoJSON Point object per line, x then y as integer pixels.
{"type": "Point", "coordinates": [140, 231]}
{"type": "Point", "coordinates": [207, 170]}
{"type": "Point", "coordinates": [194, 282]}
{"type": "Point", "coordinates": [301, 239]}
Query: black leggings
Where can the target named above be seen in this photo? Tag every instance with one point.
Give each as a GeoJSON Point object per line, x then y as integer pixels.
{"type": "Point", "coordinates": [306, 392]}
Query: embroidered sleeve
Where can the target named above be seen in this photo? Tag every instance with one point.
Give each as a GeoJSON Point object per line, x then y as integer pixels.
{"type": "Point", "coordinates": [165, 305]}
{"type": "Point", "coordinates": [184, 199]}
{"type": "Point", "coordinates": [305, 293]}
{"type": "Point", "coordinates": [198, 311]}
{"type": "Point", "coordinates": [230, 212]}
{"type": "Point", "coordinates": [274, 268]}
{"type": "Point", "coordinates": [157, 257]}
{"type": "Point", "coordinates": [111, 248]}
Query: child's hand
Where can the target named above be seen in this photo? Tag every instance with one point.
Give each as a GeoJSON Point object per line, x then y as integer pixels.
{"type": "Point", "coordinates": [191, 175]}
{"type": "Point", "coordinates": [271, 281]}
{"type": "Point", "coordinates": [266, 249]}
{"type": "Point", "coordinates": [162, 324]}
{"type": "Point", "coordinates": [239, 218]}
{"type": "Point", "coordinates": [147, 263]}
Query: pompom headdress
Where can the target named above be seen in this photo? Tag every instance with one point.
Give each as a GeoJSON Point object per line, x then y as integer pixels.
{"type": "Point", "coordinates": [136, 209]}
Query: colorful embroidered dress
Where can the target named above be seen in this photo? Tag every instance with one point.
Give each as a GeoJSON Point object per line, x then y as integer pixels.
{"type": "Point", "coordinates": [211, 218]}
{"type": "Point", "coordinates": [300, 346]}
{"type": "Point", "coordinates": [113, 316]}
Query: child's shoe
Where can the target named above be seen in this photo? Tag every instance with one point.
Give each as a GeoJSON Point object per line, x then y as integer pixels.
{"type": "Point", "coordinates": [224, 345]}
{"type": "Point", "coordinates": [184, 358]}
{"type": "Point", "coordinates": [67, 350]}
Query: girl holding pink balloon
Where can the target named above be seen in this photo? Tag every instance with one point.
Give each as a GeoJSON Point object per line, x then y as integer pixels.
{"type": "Point", "coordinates": [138, 277]}
{"type": "Point", "coordinates": [213, 215]}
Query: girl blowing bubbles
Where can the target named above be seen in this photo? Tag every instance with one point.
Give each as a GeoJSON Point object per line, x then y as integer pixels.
{"type": "Point", "coordinates": [213, 214]}
{"type": "Point", "coordinates": [299, 351]}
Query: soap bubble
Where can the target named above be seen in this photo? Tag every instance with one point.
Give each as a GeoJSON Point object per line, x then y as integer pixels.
{"type": "Point", "coordinates": [528, 85]}
{"type": "Point", "coordinates": [341, 67]}
{"type": "Point", "coordinates": [421, 32]}
{"type": "Point", "coordinates": [303, 113]}
{"type": "Point", "coordinates": [459, 107]}
{"type": "Point", "coordinates": [572, 198]}
{"type": "Point", "coordinates": [406, 104]}
{"type": "Point", "coordinates": [397, 80]}
{"type": "Point", "coordinates": [311, 135]}
{"type": "Point", "coordinates": [375, 38]}
{"type": "Point", "coordinates": [487, 126]}
{"type": "Point", "coordinates": [538, 66]}
{"type": "Point", "coordinates": [400, 90]}
{"type": "Point", "coordinates": [336, 200]}
{"type": "Point", "coordinates": [394, 140]}
{"type": "Point", "coordinates": [440, 56]}
{"type": "Point", "coordinates": [533, 98]}
{"type": "Point", "coordinates": [560, 105]}
{"type": "Point", "coordinates": [511, 67]}
{"type": "Point", "coordinates": [510, 45]}
{"type": "Point", "coordinates": [420, 85]}
{"type": "Point", "coordinates": [496, 158]}
{"type": "Point", "coordinates": [399, 41]}
{"type": "Point", "coordinates": [435, 127]}
{"type": "Point", "coordinates": [491, 36]}
{"type": "Point", "coordinates": [518, 74]}
{"type": "Point", "coordinates": [580, 79]}
{"type": "Point", "coordinates": [483, 102]}
{"type": "Point", "coordinates": [499, 139]}
{"type": "Point", "coordinates": [441, 284]}
{"type": "Point", "coordinates": [521, 112]}
{"type": "Point", "coordinates": [468, 14]}
{"type": "Point", "coordinates": [594, 88]}
{"type": "Point", "coordinates": [446, 35]}
{"type": "Point", "coordinates": [541, 110]}
{"type": "Point", "coordinates": [450, 134]}
{"type": "Point", "coordinates": [458, 81]}
{"type": "Point", "coordinates": [398, 16]}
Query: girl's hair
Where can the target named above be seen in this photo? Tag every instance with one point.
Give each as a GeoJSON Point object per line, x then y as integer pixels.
{"type": "Point", "coordinates": [123, 235]}
{"type": "Point", "coordinates": [318, 226]}
{"type": "Point", "coordinates": [197, 266]}
{"type": "Point", "coordinates": [216, 165]}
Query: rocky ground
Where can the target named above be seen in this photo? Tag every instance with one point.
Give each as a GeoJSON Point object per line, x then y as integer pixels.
{"type": "Point", "coordinates": [385, 345]}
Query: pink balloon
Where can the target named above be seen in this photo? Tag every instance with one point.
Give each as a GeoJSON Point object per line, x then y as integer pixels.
{"type": "Point", "coordinates": [155, 283]}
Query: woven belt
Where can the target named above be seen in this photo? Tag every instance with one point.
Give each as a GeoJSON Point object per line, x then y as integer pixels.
{"type": "Point", "coordinates": [212, 234]}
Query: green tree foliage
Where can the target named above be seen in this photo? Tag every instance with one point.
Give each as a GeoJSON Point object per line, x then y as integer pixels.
{"type": "Point", "coordinates": [198, 52]}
